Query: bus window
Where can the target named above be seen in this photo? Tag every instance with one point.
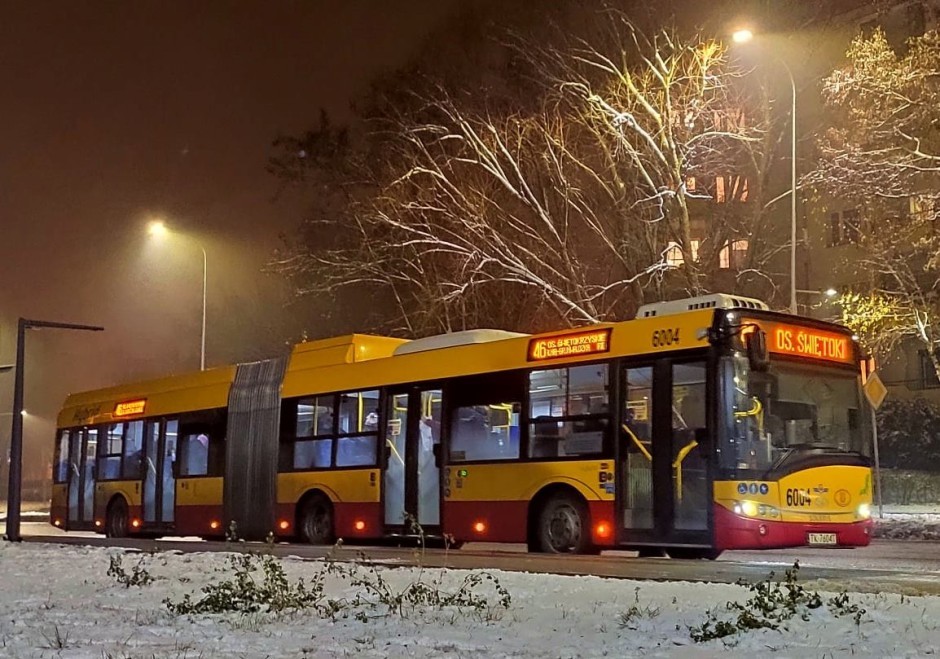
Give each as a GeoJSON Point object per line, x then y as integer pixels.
{"type": "Point", "coordinates": [569, 411]}
{"type": "Point", "coordinates": [193, 450]}
{"type": "Point", "coordinates": [357, 409]}
{"type": "Point", "coordinates": [312, 454]}
{"type": "Point", "coordinates": [356, 451]}
{"type": "Point", "coordinates": [133, 450]}
{"type": "Point", "coordinates": [315, 416]}
{"type": "Point", "coordinates": [110, 450]}
{"type": "Point", "coordinates": [485, 432]}
{"type": "Point", "coordinates": [61, 473]}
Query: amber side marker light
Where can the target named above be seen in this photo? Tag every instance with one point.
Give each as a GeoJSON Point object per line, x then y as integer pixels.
{"type": "Point", "coordinates": [360, 525]}
{"type": "Point", "coordinates": [58, 522]}
{"type": "Point", "coordinates": [213, 525]}
{"type": "Point", "coordinates": [98, 523]}
{"type": "Point", "coordinates": [602, 530]}
{"type": "Point", "coordinates": [284, 525]}
{"type": "Point", "coordinates": [479, 527]}
{"type": "Point", "coordinates": [135, 523]}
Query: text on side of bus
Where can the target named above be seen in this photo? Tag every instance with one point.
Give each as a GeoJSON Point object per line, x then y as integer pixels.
{"type": "Point", "coordinates": [568, 345]}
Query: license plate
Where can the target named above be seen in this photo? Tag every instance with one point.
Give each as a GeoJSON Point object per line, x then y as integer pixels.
{"type": "Point", "coordinates": [822, 538]}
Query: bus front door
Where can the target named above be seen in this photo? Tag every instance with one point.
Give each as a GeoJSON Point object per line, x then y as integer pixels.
{"type": "Point", "coordinates": [664, 493]}
{"type": "Point", "coordinates": [159, 497]}
{"type": "Point", "coordinates": [83, 452]}
{"type": "Point", "coordinates": [412, 480]}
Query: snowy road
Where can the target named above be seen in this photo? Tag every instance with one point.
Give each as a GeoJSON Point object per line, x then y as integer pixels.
{"type": "Point", "coordinates": [897, 566]}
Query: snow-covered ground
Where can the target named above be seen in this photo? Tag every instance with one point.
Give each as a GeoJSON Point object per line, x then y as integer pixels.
{"type": "Point", "coordinates": [60, 602]}
{"type": "Point", "coordinates": [913, 522]}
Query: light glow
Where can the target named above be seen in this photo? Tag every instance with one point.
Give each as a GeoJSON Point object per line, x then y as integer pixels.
{"type": "Point", "coordinates": [284, 525]}
{"type": "Point", "coordinates": [742, 36]}
{"type": "Point", "coordinates": [602, 530]}
{"type": "Point", "coordinates": [360, 525]}
{"type": "Point", "coordinates": [864, 511]}
{"type": "Point", "coordinates": [157, 229]}
{"type": "Point", "coordinates": [479, 527]}
{"type": "Point", "coordinates": [214, 525]}
{"type": "Point", "coordinates": [135, 523]}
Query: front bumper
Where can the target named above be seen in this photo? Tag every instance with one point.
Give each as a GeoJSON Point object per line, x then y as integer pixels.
{"type": "Point", "coordinates": [734, 531]}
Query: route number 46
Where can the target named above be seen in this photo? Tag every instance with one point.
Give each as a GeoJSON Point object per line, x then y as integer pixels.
{"type": "Point", "coordinates": [665, 337]}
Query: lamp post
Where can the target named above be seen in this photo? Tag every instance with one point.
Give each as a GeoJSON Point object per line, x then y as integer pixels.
{"type": "Point", "coordinates": [744, 36]}
{"type": "Point", "coordinates": [16, 438]}
{"type": "Point", "coordinates": [158, 229]}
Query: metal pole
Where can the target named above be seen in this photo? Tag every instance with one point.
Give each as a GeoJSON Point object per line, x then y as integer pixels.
{"type": "Point", "coordinates": [205, 271]}
{"type": "Point", "coordinates": [15, 487]}
{"type": "Point", "coordinates": [793, 308]}
{"type": "Point", "coordinates": [16, 440]}
{"type": "Point", "coordinates": [874, 430]}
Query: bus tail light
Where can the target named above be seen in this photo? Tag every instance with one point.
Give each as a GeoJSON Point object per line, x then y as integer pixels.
{"type": "Point", "coordinates": [284, 525]}
{"type": "Point", "coordinates": [359, 525]}
{"type": "Point", "coordinates": [479, 527]}
{"type": "Point", "coordinates": [214, 525]}
{"type": "Point", "coordinates": [602, 530]}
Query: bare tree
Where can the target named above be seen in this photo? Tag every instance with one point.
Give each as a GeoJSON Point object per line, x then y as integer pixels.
{"type": "Point", "coordinates": [632, 177]}
{"type": "Point", "coordinates": [882, 149]}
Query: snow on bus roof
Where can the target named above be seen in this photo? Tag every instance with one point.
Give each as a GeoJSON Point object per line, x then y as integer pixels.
{"type": "Point", "coordinates": [466, 337]}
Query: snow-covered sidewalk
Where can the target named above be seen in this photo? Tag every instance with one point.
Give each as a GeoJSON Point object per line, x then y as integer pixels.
{"type": "Point", "coordinates": [60, 602]}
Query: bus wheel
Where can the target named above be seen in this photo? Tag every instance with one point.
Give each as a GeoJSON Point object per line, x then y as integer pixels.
{"type": "Point", "coordinates": [316, 521]}
{"type": "Point", "coordinates": [564, 527]}
{"type": "Point", "coordinates": [693, 553]}
{"type": "Point", "coordinates": [116, 521]}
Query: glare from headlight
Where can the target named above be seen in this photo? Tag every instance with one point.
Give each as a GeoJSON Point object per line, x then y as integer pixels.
{"type": "Point", "coordinates": [864, 511]}
{"type": "Point", "coordinates": [749, 508]}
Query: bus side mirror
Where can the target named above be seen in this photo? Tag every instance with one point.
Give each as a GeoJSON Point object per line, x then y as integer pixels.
{"type": "Point", "coordinates": [757, 354]}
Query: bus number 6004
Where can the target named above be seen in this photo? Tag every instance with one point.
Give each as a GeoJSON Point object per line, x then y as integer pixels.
{"type": "Point", "coordinates": [797, 497]}
{"type": "Point", "coordinates": [665, 337]}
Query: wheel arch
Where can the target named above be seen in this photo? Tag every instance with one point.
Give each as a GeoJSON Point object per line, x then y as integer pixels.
{"type": "Point", "coordinates": [311, 493]}
{"type": "Point", "coordinates": [545, 494]}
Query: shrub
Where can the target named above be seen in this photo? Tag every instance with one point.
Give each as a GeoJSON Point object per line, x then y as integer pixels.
{"type": "Point", "coordinates": [771, 606]}
{"type": "Point", "coordinates": [139, 575]}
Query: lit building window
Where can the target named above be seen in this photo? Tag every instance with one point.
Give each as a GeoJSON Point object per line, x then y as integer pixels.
{"type": "Point", "coordinates": [674, 256]}
{"type": "Point", "coordinates": [733, 254]}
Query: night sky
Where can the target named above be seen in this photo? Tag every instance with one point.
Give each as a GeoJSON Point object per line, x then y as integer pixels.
{"type": "Point", "coordinates": [115, 111]}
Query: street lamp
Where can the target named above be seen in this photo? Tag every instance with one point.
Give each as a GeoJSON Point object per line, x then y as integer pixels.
{"type": "Point", "coordinates": [16, 437]}
{"type": "Point", "coordinates": [158, 229]}
{"type": "Point", "coordinates": [744, 36]}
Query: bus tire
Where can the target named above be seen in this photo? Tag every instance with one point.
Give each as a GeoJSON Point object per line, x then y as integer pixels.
{"type": "Point", "coordinates": [115, 525]}
{"type": "Point", "coordinates": [564, 525]}
{"type": "Point", "coordinates": [693, 553]}
{"type": "Point", "coordinates": [315, 520]}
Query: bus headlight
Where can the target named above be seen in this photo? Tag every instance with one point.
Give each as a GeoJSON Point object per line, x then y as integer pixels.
{"type": "Point", "coordinates": [748, 508]}
{"type": "Point", "coordinates": [864, 510]}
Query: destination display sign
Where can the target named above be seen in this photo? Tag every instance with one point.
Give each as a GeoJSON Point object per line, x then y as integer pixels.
{"type": "Point", "coordinates": [787, 339]}
{"type": "Point", "coordinates": [570, 344]}
{"type": "Point", "coordinates": [130, 407]}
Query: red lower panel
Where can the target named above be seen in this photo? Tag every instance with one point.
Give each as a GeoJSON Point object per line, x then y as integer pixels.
{"type": "Point", "coordinates": [506, 521]}
{"type": "Point", "coordinates": [738, 532]}
{"type": "Point", "coordinates": [350, 520]}
{"type": "Point", "coordinates": [197, 520]}
{"type": "Point", "coordinates": [60, 514]}
{"type": "Point", "coordinates": [486, 521]}
{"type": "Point", "coordinates": [602, 523]}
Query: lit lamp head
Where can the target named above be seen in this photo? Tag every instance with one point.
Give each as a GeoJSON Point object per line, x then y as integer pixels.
{"type": "Point", "coordinates": [157, 229]}
{"type": "Point", "coordinates": [743, 35]}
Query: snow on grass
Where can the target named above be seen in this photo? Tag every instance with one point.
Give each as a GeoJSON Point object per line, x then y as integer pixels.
{"type": "Point", "coordinates": [59, 602]}
{"type": "Point", "coordinates": [908, 522]}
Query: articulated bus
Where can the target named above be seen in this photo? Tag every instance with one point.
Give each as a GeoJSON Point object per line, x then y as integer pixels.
{"type": "Point", "coordinates": [702, 425]}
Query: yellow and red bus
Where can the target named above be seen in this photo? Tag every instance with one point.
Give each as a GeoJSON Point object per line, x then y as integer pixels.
{"type": "Point", "coordinates": [702, 425]}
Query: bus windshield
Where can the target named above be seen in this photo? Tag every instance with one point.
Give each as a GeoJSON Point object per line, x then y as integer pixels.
{"type": "Point", "coordinates": [793, 409]}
